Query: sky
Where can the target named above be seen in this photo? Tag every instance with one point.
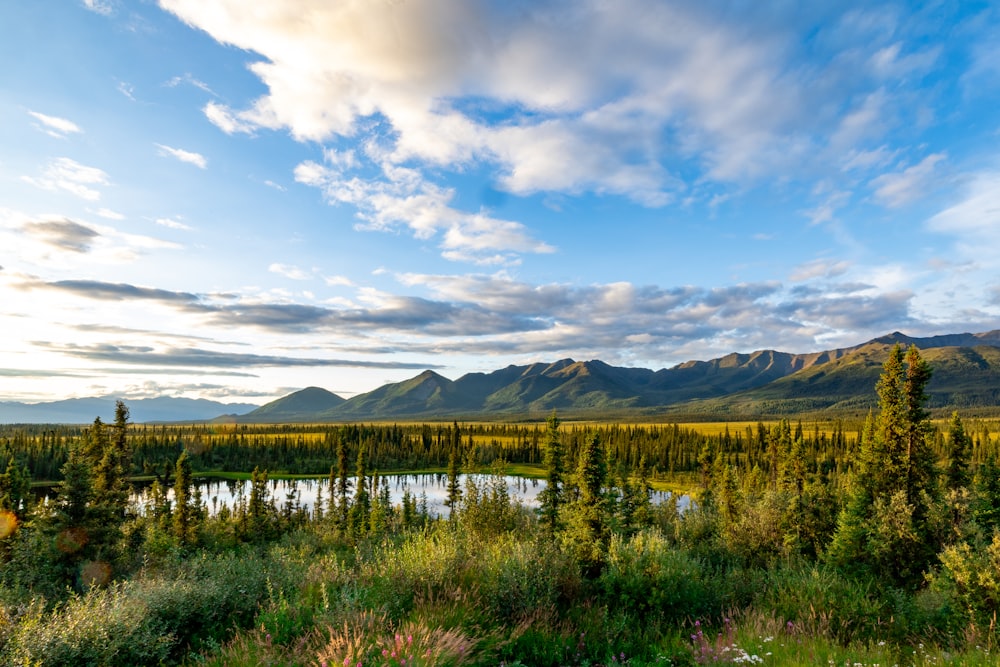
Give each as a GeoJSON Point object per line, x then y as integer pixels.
{"type": "Point", "coordinates": [236, 199]}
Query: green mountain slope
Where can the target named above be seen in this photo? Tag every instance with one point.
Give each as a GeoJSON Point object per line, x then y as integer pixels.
{"type": "Point", "coordinates": [736, 386]}
{"type": "Point", "coordinates": [301, 405]}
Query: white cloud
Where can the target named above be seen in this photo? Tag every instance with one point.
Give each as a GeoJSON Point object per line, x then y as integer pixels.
{"type": "Point", "coordinates": [110, 214]}
{"type": "Point", "coordinates": [197, 159]}
{"type": "Point", "coordinates": [103, 7]}
{"type": "Point", "coordinates": [975, 219]}
{"type": "Point", "coordinates": [338, 281]}
{"type": "Point", "coordinates": [899, 189]}
{"type": "Point", "coordinates": [289, 271]}
{"type": "Point", "coordinates": [868, 159]}
{"type": "Point", "coordinates": [70, 176]}
{"type": "Point", "coordinates": [54, 126]}
{"type": "Point", "coordinates": [172, 224]}
{"type": "Point", "coordinates": [654, 82]}
{"type": "Point", "coordinates": [403, 198]}
{"type": "Point", "coordinates": [819, 268]}
{"type": "Point", "coordinates": [127, 90]}
{"type": "Point", "coordinates": [189, 79]}
{"type": "Point", "coordinates": [827, 209]}
{"type": "Point", "coordinates": [227, 121]}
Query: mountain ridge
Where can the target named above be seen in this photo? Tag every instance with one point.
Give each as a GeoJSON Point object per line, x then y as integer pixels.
{"type": "Point", "coordinates": [736, 385]}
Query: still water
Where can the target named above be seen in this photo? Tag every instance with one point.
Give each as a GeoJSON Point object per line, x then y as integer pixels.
{"type": "Point", "coordinates": [430, 486]}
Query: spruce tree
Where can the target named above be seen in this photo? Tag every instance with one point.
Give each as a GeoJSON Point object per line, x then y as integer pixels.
{"type": "Point", "coordinates": [959, 448]}
{"type": "Point", "coordinates": [551, 496]}
{"type": "Point", "coordinates": [454, 489]}
{"type": "Point", "coordinates": [184, 516]}
{"type": "Point", "coordinates": [885, 525]}
{"type": "Point", "coordinates": [587, 533]}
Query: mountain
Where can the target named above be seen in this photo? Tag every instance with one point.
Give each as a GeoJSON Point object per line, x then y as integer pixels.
{"type": "Point", "coordinates": [765, 383]}
{"type": "Point", "coordinates": [966, 375]}
{"type": "Point", "coordinates": [298, 406]}
{"type": "Point", "coordinates": [762, 383]}
{"type": "Point", "coordinates": [84, 410]}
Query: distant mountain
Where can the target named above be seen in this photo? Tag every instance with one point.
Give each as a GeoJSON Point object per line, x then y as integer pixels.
{"type": "Point", "coordinates": [84, 410]}
{"type": "Point", "coordinates": [965, 376]}
{"type": "Point", "coordinates": [298, 406]}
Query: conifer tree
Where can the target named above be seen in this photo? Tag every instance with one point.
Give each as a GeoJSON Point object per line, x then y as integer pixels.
{"type": "Point", "coordinates": [587, 532]}
{"type": "Point", "coordinates": [885, 524]}
{"type": "Point", "coordinates": [454, 489]}
{"type": "Point", "coordinates": [342, 483]}
{"type": "Point", "coordinates": [551, 496]}
{"type": "Point", "coordinates": [184, 516]}
{"type": "Point", "coordinates": [259, 507]}
{"type": "Point", "coordinates": [15, 488]}
{"type": "Point", "coordinates": [358, 515]}
{"type": "Point", "coordinates": [959, 448]}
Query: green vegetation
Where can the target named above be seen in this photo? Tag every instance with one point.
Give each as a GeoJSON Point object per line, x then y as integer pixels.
{"type": "Point", "coordinates": [830, 544]}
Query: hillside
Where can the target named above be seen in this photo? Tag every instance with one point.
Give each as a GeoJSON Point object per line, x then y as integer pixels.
{"type": "Point", "coordinates": [298, 406]}
{"type": "Point", "coordinates": [762, 383]}
{"type": "Point", "coordinates": [765, 383]}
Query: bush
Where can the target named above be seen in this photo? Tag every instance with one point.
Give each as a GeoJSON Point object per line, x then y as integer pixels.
{"type": "Point", "coordinates": [651, 579]}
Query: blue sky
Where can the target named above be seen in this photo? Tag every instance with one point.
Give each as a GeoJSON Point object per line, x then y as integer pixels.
{"type": "Point", "coordinates": [234, 199]}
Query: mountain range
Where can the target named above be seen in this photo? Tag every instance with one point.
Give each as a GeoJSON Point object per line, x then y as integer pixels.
{"type": "Point", "coordinates": [142, 410]}
{"type": "Point", "coordinates": [759, 384]}
{"type": "Point", "coordinates": [766, 383]}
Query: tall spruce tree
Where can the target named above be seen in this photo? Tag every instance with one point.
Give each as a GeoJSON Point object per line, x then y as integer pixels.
{"type": "Point", "coordinates": [551, 496]}
{"type": "Point", "coordinates": [959, 448]}
{"type": "Point", "coordinates": [884, 527]}
{"type": "Point", "coordinates": [454, 490]}
{"type": "Point", "coordinates": [587, 534]}
{"type": "Point", "coordinates": [184, 520]}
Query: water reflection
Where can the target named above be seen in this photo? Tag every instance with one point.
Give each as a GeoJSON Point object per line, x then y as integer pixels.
{"type": "Point", "coordinates": [429, 489]}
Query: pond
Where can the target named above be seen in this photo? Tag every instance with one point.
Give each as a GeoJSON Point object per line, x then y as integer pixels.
{"type": "Point", "coordinates": [429, 489]}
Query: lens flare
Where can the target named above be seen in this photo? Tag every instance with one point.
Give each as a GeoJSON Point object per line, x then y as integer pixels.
{"type": "Point", "coordinates": [8, 524]}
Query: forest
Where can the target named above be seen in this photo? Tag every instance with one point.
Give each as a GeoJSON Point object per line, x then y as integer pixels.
{"type": "Point", "coordinates": [849, 542]}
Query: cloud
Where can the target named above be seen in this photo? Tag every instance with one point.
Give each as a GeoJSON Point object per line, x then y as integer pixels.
{"type": "Point", "coordinates": [93, 289]}
{"type": "Point", "coordinates": [127, 89]}
{"type": "Point", "coordinates": [901, 188]}
{"type": "Point", "coordinates": [404, 198]}
{"type": "Point", "coordinates": [863, 160]}
{"type": "Point", "coordinates": [975, 219]}
{"type": "Point", "coordinates": [109, 214]}
{"type": "Point", "coordinates": [338, 281]}
{"type": "Point", "coordinates": [191, 80]}
{"type": "Point", "coordinates": [60, 128]}
{"type": "Point", "coordinates": [103, 7]}
{"type": "Point", "coordinates": [173, 224]}
{"type": "Point", "coordinates": [70, 176]}
{"type": "Point", "coordinates": [290, 272]}
{"type": "Point", "coordinates": [197, 159]}
{"type": "Point", "coordinates": [227, 121]}
{"type": "Point", "coordinates": [488, 315]}
{"type": "Point", "coordinates": [585, 97]}
{"type": "Point", "coordinates": [64, 234]}
{"type": "Point", "coordinates": [197, 357]}
{"type": "Point", "coordinates": [826, 211]}
{"type": "Point", "coordinates": [819, 268]}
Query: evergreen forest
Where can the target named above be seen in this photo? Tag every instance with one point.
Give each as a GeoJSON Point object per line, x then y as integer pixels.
{"type": "Point", "coordinates": [848, 542]}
